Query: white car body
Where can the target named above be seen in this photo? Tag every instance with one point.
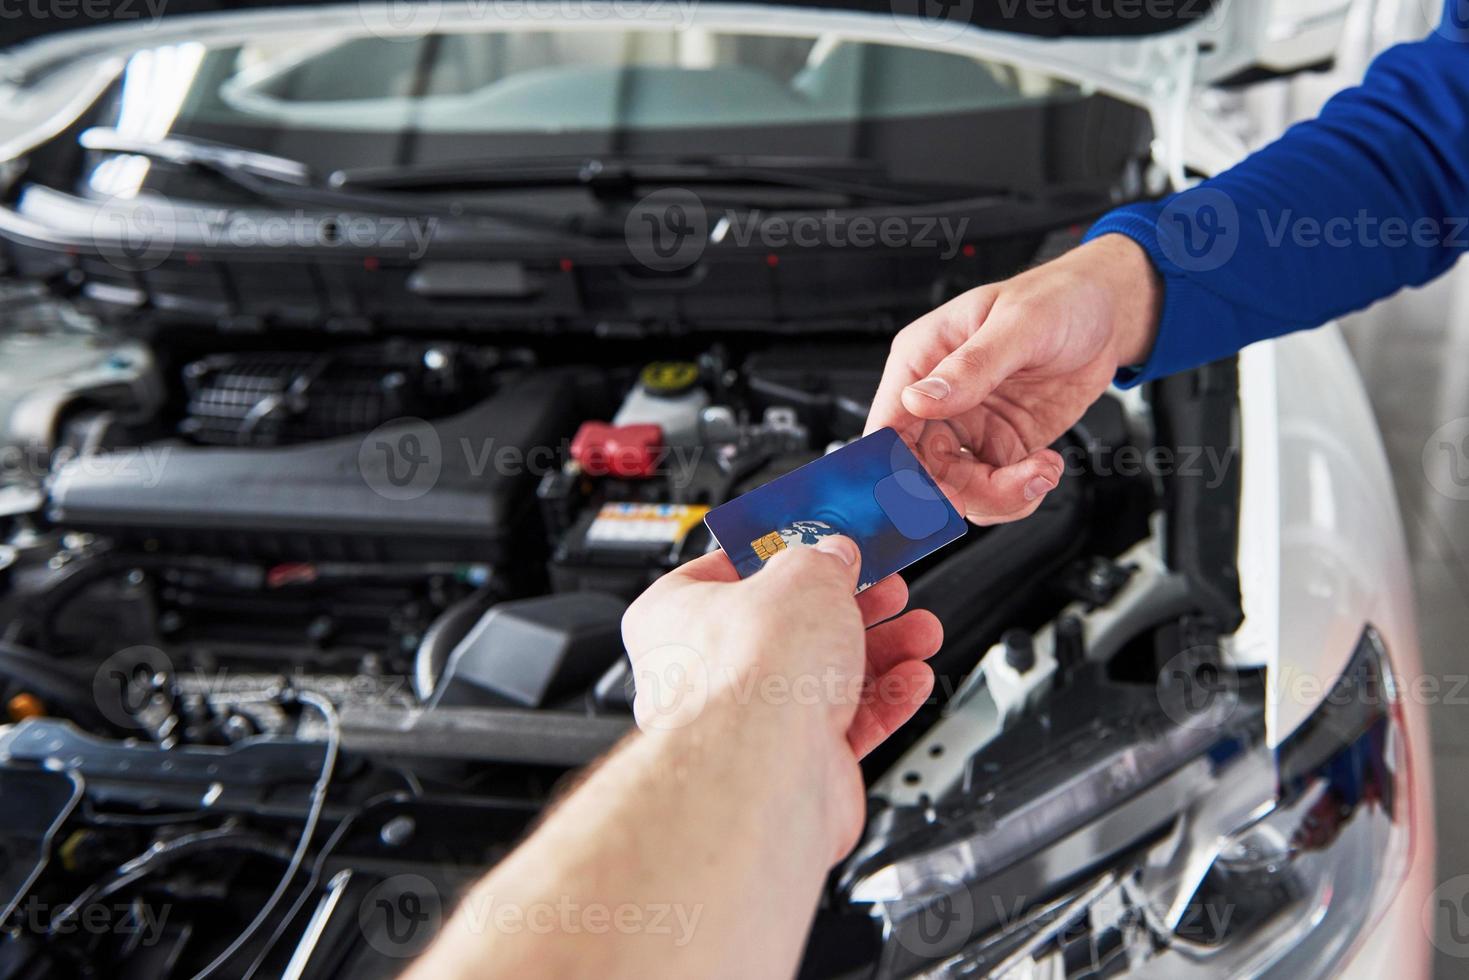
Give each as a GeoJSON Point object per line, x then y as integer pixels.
{"type": "Point", "coordinates": [1322, 551]}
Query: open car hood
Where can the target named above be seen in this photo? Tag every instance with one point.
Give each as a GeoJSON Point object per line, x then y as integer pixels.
{"type": "Point", "coordinates": [1043, 18]}
{"type": "Point", "coordinates": [52, 67]}
{"type": "Point", "coordinates": [1230, 38]}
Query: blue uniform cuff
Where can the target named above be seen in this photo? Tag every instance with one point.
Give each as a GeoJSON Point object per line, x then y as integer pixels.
{"type": "Point", "coordinates": [1187, 332]}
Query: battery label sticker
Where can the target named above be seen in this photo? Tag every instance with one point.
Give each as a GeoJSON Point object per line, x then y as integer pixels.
{"type": "Point", "coordinates": [645, 524]}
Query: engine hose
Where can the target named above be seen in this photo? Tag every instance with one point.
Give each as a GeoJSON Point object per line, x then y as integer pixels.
{"type": "Point", "coordinates": [162, 854]}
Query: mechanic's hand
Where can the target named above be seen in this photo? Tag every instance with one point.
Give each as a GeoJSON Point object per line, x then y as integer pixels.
{"type": "Point", "coordinates": [791, 641]}
{"type": "Point", "coordinates": [984, 384]}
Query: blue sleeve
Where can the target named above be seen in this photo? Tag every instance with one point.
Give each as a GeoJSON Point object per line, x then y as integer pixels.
{"type": "Point", "coordinates": [1343, 210]}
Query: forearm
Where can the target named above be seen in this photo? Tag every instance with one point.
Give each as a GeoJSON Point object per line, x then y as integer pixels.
{"type": "Point", "coordinates": [695, 852]}
{"type": "Point", "coordinates": [1343, 210]}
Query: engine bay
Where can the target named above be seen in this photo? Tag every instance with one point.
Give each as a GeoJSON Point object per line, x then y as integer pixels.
{"type": "Point", "coordinates": [359, 509]}
{"type": "Point", "coordinates": [366, 596]}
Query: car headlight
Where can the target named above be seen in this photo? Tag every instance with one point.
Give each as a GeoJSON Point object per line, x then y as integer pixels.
{"type": "Point", "coordinates": [1166, 848]}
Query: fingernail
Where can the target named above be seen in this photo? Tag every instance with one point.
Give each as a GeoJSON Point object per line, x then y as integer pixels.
{"type": "Point", "coordinates": [1038, 486]}
{"type": "Point", "coordinates": [935, 388]}
{"type": "Point", "coordinates": [843, 548]}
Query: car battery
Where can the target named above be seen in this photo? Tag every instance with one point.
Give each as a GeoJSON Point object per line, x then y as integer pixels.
{"type": "Point", "coordinates": [621, 547]}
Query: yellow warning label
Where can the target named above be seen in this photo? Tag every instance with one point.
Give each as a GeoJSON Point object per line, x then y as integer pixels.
{"type": "Point", "coordinates": [645, 523]}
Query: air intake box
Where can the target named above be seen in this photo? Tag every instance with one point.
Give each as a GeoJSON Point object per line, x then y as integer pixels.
{"type": "Point", "coordinates": [534, 652]}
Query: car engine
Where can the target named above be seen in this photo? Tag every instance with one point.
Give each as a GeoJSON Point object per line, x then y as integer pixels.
{"type": "Point", "coordinates": [298, 627]}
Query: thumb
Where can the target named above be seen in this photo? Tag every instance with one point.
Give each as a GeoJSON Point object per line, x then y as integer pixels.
{"type": "Point", "coordinates": [968, 375]}
{"type": "Point", "coordinates": [832, 563]}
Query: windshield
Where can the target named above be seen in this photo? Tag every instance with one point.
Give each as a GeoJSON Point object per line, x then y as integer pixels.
{"type": "Point", "coordinates": [917, 115]}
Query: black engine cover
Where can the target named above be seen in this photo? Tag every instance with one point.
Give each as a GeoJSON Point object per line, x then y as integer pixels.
{"type": "Point", "coordinates": [460, 489]}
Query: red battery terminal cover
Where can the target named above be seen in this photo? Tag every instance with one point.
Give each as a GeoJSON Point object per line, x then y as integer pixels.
{"type": "Point", "coordinates": [627, 451]}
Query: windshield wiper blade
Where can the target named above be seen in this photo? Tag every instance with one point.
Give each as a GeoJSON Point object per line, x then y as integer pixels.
{"type": "Point", "coordinates": [198, 153]}
{"type": "Point", "coordinates": [853, 178]}
{"type": "Point", "coordinates": [277, 179]}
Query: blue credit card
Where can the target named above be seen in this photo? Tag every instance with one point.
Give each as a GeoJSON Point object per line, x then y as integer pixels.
{"type": "Point", "coordinates": [873, 490]}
